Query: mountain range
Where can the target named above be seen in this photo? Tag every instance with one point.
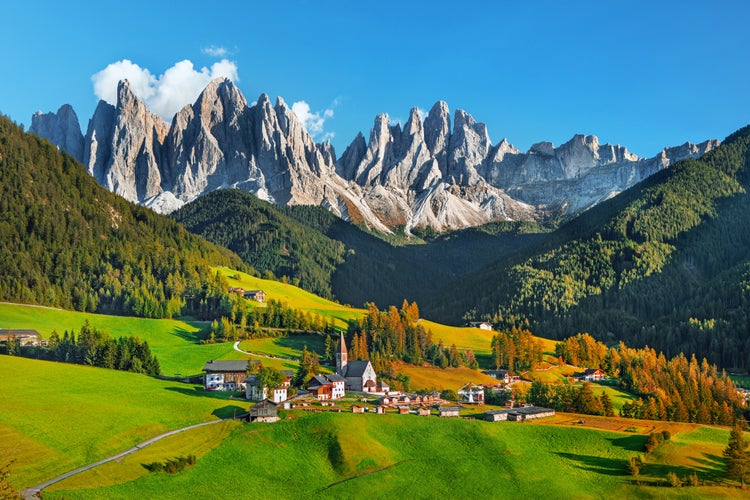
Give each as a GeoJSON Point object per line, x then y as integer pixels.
{"type": "Point", "coordinates": [431, 172]}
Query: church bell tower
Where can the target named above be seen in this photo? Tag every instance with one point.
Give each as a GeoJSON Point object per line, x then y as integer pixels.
{"type": "Point", "coordinates": [341, 356]}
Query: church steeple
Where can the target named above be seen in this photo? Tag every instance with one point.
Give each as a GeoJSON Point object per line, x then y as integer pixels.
{"type": "Point", "coordinates": [341, 356]}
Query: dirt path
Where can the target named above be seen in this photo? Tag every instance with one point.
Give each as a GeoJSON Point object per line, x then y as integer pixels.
{"type": "Point", "coordinates": [34, 492]}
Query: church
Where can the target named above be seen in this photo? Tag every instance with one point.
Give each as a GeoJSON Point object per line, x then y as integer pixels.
{"type": "Point", "coordinates": [359, 375]}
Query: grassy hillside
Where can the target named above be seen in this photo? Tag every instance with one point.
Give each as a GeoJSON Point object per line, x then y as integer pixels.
{"type": "Point", "coordinates": [344, 456]}
{"type": "Point", "coordinates": [65, 241]}
{"type": "Point", "coordinates": [175, 343]}
{"type": "Point", "coordinates": [56, 417]}
{"type": "Point", "coordinates": [666, 263]}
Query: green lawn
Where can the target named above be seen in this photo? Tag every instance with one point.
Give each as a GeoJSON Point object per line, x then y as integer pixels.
{"type": "Point", "coordinates": [352, 456]}
{"type": "Point", "coordinates": [288, 347]}
{"type": "Point", "coordinates": [176, 343]}
{"type": "Point", "coordinates": [56, 416]}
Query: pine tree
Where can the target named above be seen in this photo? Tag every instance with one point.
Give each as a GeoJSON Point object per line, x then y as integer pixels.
{"type": "Point", "coordinates": [737, 457]}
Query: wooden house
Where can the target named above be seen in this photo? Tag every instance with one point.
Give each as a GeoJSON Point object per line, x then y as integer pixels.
{"type": "Point", "coordinates": [423, 411]}
{"type": "Point", "coordinates": [380, 410]}
{"type": "Point", "coordinates": [403, 410]}
{"type": "Point", "coordinates": [496, 415]}
{"type": "Point", "coordinates": [449, 411]}
{"type": "Point", "coordinates": [237, 289]}
{"type": "Point", "coordinates": [256, 295]}
{"type": "Point", "coordinates": [593, 375]}
{"type": "Point", "coordinates": [325, 387]}
{"type": "Point", "coordinates": [24, 337]}
{"type": "Point", "coordinates": [529, 413]}
{"type": "Point", "coordinates": [224, 375]}
{"type": "Point", "coordinates": [358, 409]}
{"type": "Point", "coordinates": [265, 411]}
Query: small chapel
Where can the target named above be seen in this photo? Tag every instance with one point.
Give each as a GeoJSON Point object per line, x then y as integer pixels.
{"type": "Point", "coordinates": [359, 375]}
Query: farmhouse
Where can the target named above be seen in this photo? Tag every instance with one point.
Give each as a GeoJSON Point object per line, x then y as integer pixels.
{"type": "Point", "coordinates": [224, 375]}
{"type": "Point", "coordinates": [325, 387]}
{"type": "Point", "coordinates": [496, 415]}
{"type": "Point", "coordinates": [236, 289]}
{"type": "Point", "coordinates": [449, 411]}
{"type": "Point", "coordinates": [254, 392]}
{"type": "Point", "coordinates": [358, 409]}
{"type": "Point", "coordinates": [256, 295]}
{"type": "Point", "coordinates": [592, 375]}
{"type": "Point", "coordinates": [24, 337]}
{"type": "Point", "coordinates": [359, 375]}
{"type": "Point", "coordinates": [423, 411]}
{"type": "Point", "coordinates": [472, 394]}
{"type": "Point", "coordinates": [482, 325]}
{"type": "Point", "coordinates": [265, 411]}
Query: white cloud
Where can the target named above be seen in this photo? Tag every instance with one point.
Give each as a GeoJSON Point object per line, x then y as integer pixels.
{"type": "Point", "coordinates": [215, 51]}
{"type": "Point", "coordinates": [313, 122]}
{"type": "Point", "coordinates": [166, 94]}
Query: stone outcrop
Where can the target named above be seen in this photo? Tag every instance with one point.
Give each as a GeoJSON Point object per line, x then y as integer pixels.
{"type": "Point", "coordinates": [423, 173]}
{"type": "Point", "coordinates": [61, 128]}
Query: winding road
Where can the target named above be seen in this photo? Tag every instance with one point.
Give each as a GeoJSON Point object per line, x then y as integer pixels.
{"type": "Point", "coordinates": [34, 492]}
{"type": "Point", "coordinates": [257, 355]}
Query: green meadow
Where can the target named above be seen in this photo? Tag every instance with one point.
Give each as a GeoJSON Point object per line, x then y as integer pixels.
{"type": "Point", "coordinates": [56, 417]}
{"type": "Point", "coordinates": [176, 343]}
{"type": "Point", "coordinates": [330, 455]}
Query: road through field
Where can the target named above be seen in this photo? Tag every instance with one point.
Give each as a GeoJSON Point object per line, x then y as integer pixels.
{"type": "Point", "coordinates": [34, 492]}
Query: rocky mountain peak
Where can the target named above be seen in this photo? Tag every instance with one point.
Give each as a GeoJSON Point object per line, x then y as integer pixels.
{"type": "Point", "coordinates": [61, 128]}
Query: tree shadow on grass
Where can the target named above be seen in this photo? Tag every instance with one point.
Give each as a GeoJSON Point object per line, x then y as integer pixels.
{"type": "Point", "coordinates": [202, 393]}
{"type": "Point", "coordinates": [192, 337]}
{"type": "Point", "coordinates": [598, 465]}
{"type": "Point", "coordinates": [630, 443]}
{"type": "Point", "coordinates": [229, 411]}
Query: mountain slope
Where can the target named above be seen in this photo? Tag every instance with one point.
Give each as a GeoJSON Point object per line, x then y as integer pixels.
{"type": "Point", "coordinates": [67, 242]}
{"type": "Point", "coordinates": [264, 237]}
{"type": "Point", "coordinates": [666, 263]}
{"type": "Point", "coordinates": [423, 174]}
{"type": "Point", "coordinates": [333, 258]}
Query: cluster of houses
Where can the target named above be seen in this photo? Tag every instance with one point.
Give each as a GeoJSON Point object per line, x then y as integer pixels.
{"type": "Point", "coordinates": [353, 376]}
{"type": "Point", "coordinates": [526, 412]}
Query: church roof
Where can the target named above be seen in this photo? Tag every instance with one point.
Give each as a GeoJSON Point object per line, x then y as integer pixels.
{"type": "Point", "coordinates": [356, 368]}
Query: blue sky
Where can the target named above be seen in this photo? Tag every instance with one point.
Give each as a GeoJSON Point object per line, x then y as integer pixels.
{"type": "Point", "coordinates": [644, 74]}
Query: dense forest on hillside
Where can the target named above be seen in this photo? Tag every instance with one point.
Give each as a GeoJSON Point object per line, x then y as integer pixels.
{"type": "Point", "coordinates": [677, 388]}
{"type": "Point", "coordinates": [666, 263]}
{"type": "Point", "coordinates": [67, 242]}
{"type": "Point", "coordinates": [333, 258]}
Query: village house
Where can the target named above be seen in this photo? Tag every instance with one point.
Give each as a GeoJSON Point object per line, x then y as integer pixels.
{"type": "Point", "coordinates": [325, 387]}
{"type": "Point", "coordinates": [24, 337]}
{"type": "Point", "coordinates": [358, 409]}
{"type": "Point", "coordinates": [472, 394]}
{"type": "Point", "coordinates": [224, 375]}
{"type": "Point", "coordinates": [592, 375]}
{"type": "Point", "coordinates": [254, 392]}
{"type": "Point", "coordinates": [236, 289]}
{"type": "Point", "coordinates": [360, 376]}
{"type": "Point", "coordinates": [256, 295]}
{"type": "Point", "coordinates": [423, 411]}
{"type": "Point", "coordinates": [449, 411]}
{"type": "Point", "coordinates": [404, 410]}
{"type": "Point", "coordinates": [482, 325]}
{"type": "Point", "coordinates": [496, 415]}
{"type": "Point", "coordinates": [380, 410]}
{"type": "Point", "coordinates": [265, 411]}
